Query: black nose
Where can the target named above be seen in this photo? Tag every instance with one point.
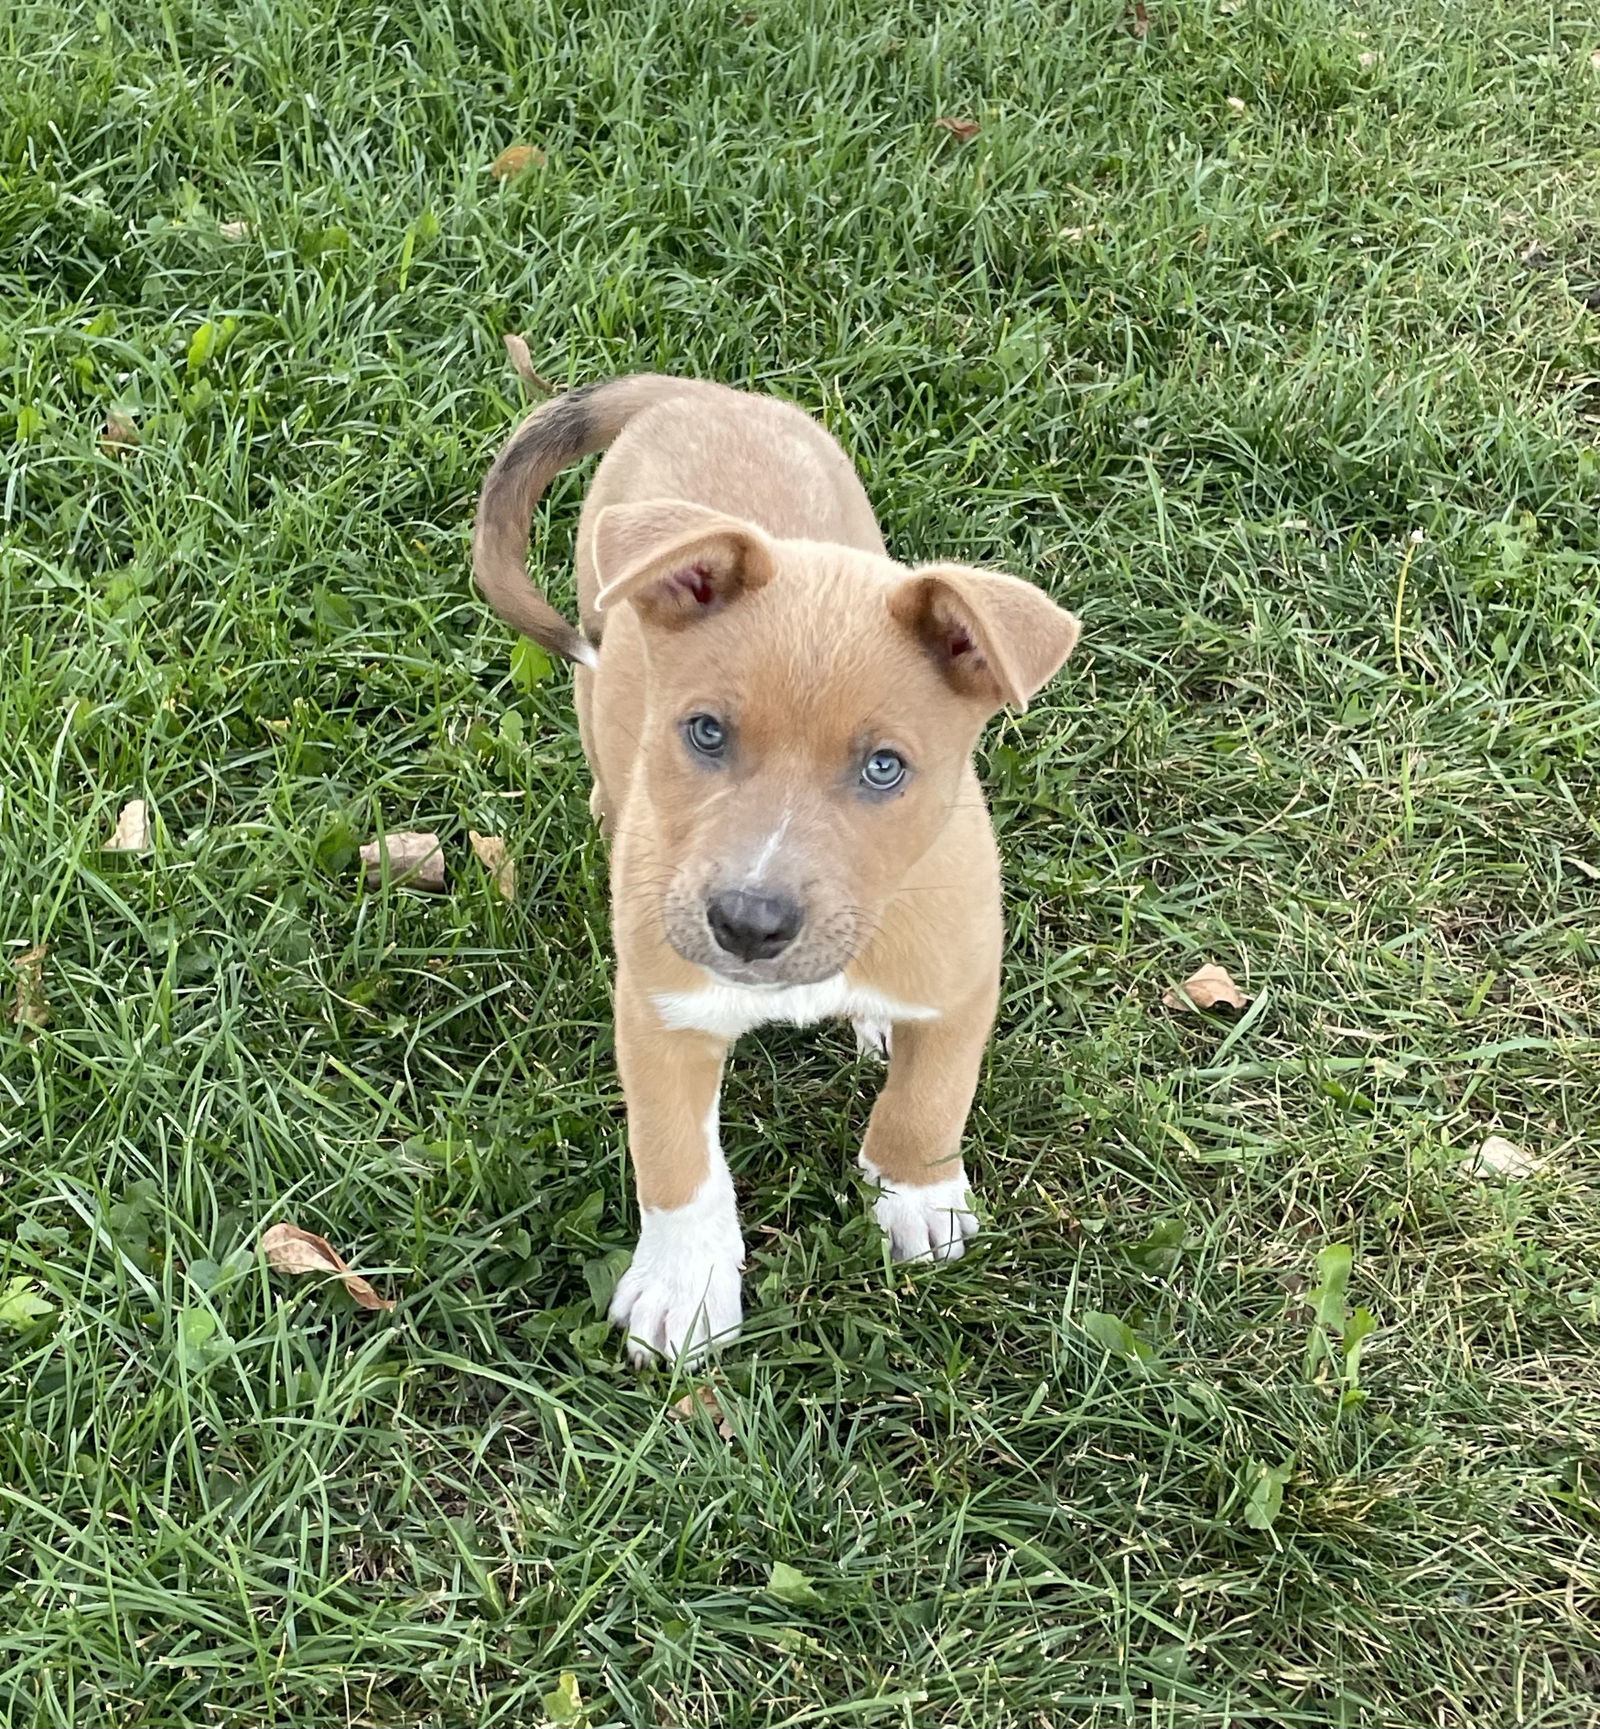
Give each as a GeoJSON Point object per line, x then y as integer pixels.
{"type": "Point", "coordinates": [753, 926]}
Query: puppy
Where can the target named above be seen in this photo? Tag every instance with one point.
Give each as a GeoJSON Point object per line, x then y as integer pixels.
{"type": "Point", "coordinates": [780, 721]}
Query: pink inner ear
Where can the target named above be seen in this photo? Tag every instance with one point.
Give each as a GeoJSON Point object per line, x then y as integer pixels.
{"type": "Point", "coordinates": [959, 643]}
{"type": "Point", "coordinates": [696, 580]}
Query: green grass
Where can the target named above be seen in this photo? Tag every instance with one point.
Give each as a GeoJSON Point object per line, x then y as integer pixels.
{"type": "Point", "coordinates": [1201, 370]}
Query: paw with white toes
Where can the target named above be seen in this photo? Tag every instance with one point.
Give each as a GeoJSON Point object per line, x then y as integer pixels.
{"type": "Point", "coordinates": [679, 1312]}
{"type": "Point", "coordinates": [874, 1039]}
{"type": "Point", "coordinates": [926, 1222]}
{"type": "Point", "coordinates": [679, 1298]}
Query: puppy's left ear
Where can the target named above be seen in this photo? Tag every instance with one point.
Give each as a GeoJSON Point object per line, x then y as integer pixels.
{"type": "Point", "coordinates": [677, 562]}
{"type": "Point", "coordinates": [995, 638]}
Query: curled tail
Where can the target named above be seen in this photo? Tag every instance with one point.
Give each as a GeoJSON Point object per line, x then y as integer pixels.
{"type": "Point", "coordinates": [557, 433]}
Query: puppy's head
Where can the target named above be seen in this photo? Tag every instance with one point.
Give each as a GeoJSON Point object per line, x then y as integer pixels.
{"type": "Point", "coordinates": [809, 712]}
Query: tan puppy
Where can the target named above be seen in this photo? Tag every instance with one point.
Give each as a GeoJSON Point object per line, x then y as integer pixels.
{"type": "Point", "coordinates": [780, 720]}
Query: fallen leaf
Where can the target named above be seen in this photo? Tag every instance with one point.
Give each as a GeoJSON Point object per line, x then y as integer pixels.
{"type": "Point", "coordinates": [1367, 61]}
{"type": "Point", "coordinates": [132, 833]}
{"type": "Point", "coordinates": [1210, 988]}
{"type": "Point", "coordinates": [516, 159]}
{"type": "Point", "coordinates": [290, 1250]}
{"type": "Point", "coordinates": [235, 230]}
{"type": "Point", "coordinates": [1138, 21]}
{"type": "Point", "coordinates": [1498, 1157]}
{"type": "Point", "coordinates": [31, 1007]}
{"type": "Point", "coordinates": [119, 435]}
{"type": "Point", "coordinates": [1594, 59]}
{"type": "Point", "coordinates": [705, 1398]}
{"type": "Point", "coordinates": [963, 131]}
{"type": "Point", "coordinates": [416, 860]}
{"type": "Point", "coordinates": [491, 854]}
{"type": "Point", "coordinates": [1236, 103]}
{"type": "Point", "coordinates": [523, 362]}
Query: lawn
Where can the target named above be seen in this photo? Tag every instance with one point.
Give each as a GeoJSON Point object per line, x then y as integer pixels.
{"type": "Point", "coordinates": [1267, 336]}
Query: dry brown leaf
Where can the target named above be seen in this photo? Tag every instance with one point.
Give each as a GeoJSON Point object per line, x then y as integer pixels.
{"type": "Point", "coordinates": [417, 860]}
{"type": "Point", "coordinates": [516, 159]}
{"type": "Point", "coordinates": [132, 833]}
{"type": "Point", "coordinates": [706, 1398]}
{"type": "Point", "coordinates": [290, 1250]}
{"type": "Point", "coordinates": [31, 1007]}
{"type": "Point", "coordinates": [1138, 20]}
{"type": "Point", "coordinates": [1210, 988]}
{"type": "Point", "coordinates": [523, 362]}
{"type": "Point", "coordinates": [963, 131]}
{"type": "Point", "coordinates": [119, 435]}
{"type": "Point", "coordinates": [491, 854]}
{"type": "Point", "coordinates": [1498, 1157]}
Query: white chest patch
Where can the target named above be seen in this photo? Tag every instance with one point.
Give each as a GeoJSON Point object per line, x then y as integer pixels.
{"type": "Point", "coordinates": [729, 1010]}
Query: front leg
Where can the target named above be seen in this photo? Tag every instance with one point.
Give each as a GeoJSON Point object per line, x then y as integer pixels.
{"type": "Point", "coordinates": [913, 1145]}
{"type": "Point", "coordinates": [680, 1296]}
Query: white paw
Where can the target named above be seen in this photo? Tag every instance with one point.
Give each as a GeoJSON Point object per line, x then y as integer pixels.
{"type": "Point", "coordinates": [927, 1223]}
{"type": "Point", "coordinates": [680, 1296]}
{"type": "Point", "coordinates": [874, 1039]}
{"type": "Point", "coordinates": [677, 1313]}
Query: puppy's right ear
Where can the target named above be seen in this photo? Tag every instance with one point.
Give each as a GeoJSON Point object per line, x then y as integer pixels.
{"type": "Point", "coordinates": [676, 562]}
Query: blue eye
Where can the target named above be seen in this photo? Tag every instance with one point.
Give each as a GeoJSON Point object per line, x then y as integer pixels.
{"type": "Point", "coordinates": [706, 734]}
{"type": "Point", "coordinates": [884, 770]}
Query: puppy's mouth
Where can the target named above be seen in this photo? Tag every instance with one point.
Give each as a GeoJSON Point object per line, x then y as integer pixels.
{"type": "Point", "coordinates": [807, 963]}
{"type": "Point", "coordinates": [758, 944]}
{"type": "Point", "coordinates": [779, 975]}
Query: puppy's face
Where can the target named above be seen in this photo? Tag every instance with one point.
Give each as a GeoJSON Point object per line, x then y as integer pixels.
{"type": "Point", "coordinates": [798, 762]}
{"type": "Point", "coordinates": [810, 712]}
